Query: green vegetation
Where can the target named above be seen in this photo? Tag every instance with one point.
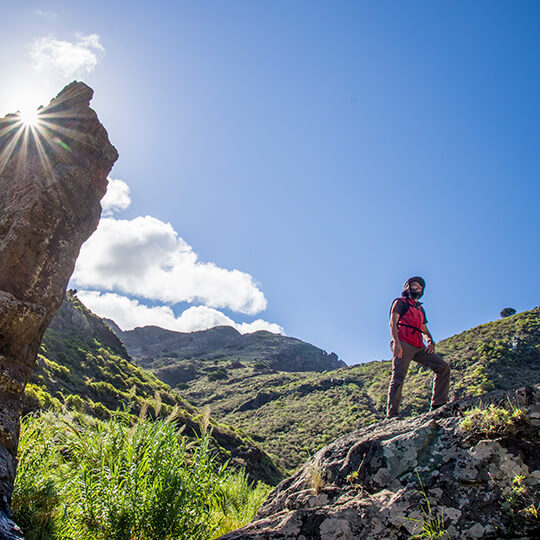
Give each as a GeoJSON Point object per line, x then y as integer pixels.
{"type": "Point", "coordinates": [83, 367]}
{"type": "Point", "coordinates": [217, 375]}
{"type": "Point", "coordinates": [290, 414]}
{"type": "Point", "coordinates": [507, 312]}
{"type": "Point", "coordinates": [522, 506]}
{"type": "Point", "coordinates": [432, 525]}
{"type": "Point", "coordinates": [494, 421]}
{"type": "Point", "coordinates": [79, 477]}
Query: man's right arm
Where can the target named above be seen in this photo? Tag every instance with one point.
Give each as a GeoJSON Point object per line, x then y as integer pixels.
{"type": "Point", "coordinates": [394, 318]}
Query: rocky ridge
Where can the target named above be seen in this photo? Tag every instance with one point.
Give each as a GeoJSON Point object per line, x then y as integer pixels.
{"type": "Point", "coordinates": [179, 357]}
{"type": "Point", "coordinates": [401, 478]}
{"type": "Point", "coordinates": [52, 178]}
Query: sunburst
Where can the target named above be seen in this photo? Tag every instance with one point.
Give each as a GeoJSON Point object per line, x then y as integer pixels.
{"type": "Point", "coordinates": [29, 117]}
{"type": "Point", "coordinates": [33, 131]}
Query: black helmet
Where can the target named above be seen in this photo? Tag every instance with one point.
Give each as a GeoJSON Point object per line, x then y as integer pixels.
{"type": "Point", "coordinates": [407, 285]}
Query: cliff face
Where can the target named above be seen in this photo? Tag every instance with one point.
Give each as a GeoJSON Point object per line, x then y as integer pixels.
{"type": "Point", "coordinates": [52, 177]}
{"type": "Point", "coordinates": [460, 472]}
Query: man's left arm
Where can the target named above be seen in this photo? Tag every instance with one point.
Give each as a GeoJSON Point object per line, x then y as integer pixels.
{"type": "Point", "coordinates": [430, 341]}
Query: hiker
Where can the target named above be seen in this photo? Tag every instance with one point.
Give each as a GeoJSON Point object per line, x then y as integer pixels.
{"type": "Point", "coordinates": [407, 325]}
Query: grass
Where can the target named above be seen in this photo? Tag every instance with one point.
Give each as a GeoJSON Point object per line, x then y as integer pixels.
{"type": "Point", "coordinates": [431, 526]}
{"type": "Point", "coordinates": [494, 421]}
{"type": "Point", "coordinates": [316, 476]}
{"type": "Point", "coordinates": [83, 478]}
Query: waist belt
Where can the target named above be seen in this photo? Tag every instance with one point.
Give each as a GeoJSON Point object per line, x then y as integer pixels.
{"type": "Point", "coordinates": [409, 326]}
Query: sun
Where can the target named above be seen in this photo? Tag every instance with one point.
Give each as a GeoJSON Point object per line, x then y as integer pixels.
{"type": "Point", "coordinates": [29, 117]}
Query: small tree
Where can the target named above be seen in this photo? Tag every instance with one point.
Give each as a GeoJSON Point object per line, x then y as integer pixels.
{"type": "Point", "coordinates": [507, 311]}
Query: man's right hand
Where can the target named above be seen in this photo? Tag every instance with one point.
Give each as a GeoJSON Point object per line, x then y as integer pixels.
{"type": "Point", "coordinates": [398, 349]}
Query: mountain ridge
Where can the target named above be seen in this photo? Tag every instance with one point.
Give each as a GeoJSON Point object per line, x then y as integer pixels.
{"type": "Point", "coordinates": [180, 357]}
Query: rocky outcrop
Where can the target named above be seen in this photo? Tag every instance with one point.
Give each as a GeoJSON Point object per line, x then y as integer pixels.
{"type": "Point", "coordinates": [52, 177]}
{"type": "Point", "coordinates": [398, 478]}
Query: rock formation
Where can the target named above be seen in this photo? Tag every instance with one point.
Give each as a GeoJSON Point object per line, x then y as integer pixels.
{"type": "Point", "coordinates": [398, 478]}
{"type": "Point", "coordinates": [52, 177]}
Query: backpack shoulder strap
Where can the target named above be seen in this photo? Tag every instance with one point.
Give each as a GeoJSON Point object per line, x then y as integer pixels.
{"type": "Point", "coordinates": [404, 301]}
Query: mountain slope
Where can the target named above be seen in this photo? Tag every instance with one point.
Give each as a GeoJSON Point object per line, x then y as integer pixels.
{"type": "Point", "coordinates": [84, 367]}
{"type": "Point", "coordinates": [294, 414]}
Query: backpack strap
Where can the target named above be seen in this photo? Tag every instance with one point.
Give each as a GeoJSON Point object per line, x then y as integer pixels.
{"type": "Point", "coordinates": [408, 305]}
{"type": "Point", "coordinates": [409, 326]}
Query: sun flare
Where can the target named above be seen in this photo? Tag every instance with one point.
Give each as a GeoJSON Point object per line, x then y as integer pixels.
{"type": "Point", "coordinates": [29, 117]}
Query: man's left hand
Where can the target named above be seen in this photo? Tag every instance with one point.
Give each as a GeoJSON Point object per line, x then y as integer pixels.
{"type": "Point", "coordinates": [430, 348]}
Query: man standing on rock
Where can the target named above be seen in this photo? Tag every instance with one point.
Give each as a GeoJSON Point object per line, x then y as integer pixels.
{"type": "Point", "coordinates": [407, 325]}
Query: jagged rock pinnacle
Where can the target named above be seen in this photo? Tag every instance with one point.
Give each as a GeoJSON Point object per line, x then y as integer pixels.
{"type": "Point", "coordinates": [52, 178]}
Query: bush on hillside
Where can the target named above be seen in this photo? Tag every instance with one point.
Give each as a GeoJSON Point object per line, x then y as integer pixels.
{"type": "Point", "coordinates": [507, 312]}
{"type": "Point", "coordinates": [220, 373]}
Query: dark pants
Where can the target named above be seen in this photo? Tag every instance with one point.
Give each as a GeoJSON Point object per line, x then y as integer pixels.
{"type": "Point", "coordinates": [400, 366]}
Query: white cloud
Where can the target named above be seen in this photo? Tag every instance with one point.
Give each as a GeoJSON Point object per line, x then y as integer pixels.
{"type": "Point", "coordinates": [117, 197]}
{"type": "Point", "coordinates": [145, 257]}
{"type": "Point", "coordinates": [66, 58]}
{"type": "Point", "coordinates": [45, 14]}
{"type": "Point", "coordinates": [129, 314]}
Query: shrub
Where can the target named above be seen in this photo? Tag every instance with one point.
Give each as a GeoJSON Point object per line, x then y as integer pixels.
{"type": "Point", "coordinates": [494, 420]}
{"type": "Point", "coordinates": [220, 373]}
{"type": "Point", "coordinates": [32, 401]}
{"type": "Point", "coordinates": [507, 312]}
{"type": "Point", "coordinates": [75, 402]}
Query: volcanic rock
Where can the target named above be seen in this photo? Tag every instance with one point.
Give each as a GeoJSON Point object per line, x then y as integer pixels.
{"type": "Point", "coordinates": [52, 177]}
{"type": "Point", "coordinates": [400, 478]}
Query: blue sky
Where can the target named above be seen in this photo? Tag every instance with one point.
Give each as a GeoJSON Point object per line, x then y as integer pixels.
{"type": "Point", "coordinates": [295, 162]}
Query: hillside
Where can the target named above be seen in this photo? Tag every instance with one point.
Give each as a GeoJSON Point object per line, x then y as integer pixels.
{"type": "Point", "coordinates": [469, 470]}
{"type": "Point", "coordinates": [294, 414]}
{"type": "Point", "coordinates": [84, 367]}
{"type": "Point", "coordinates": [180, 357]}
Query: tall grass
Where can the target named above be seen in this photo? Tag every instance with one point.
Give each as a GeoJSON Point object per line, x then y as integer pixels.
{"type": "Point", "coordinates": [80, 478]}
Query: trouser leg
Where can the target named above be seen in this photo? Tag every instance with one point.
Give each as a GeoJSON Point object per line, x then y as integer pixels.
{"type": "Point", "coordinates": [399, 372]}
{"type": "Point", "coordinates": [441, 381]}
